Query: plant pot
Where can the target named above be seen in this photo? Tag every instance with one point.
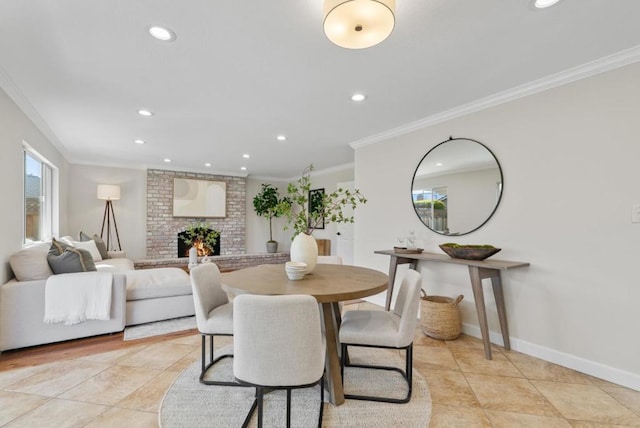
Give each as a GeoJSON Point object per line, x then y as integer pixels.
{"type": "Point", "coordinates": [304, 248]}
{"type": "Point", "coordinates": [272, 246]}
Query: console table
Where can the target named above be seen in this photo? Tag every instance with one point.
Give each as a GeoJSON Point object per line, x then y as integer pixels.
{"type": "Point", "coordinates": [478, 270]}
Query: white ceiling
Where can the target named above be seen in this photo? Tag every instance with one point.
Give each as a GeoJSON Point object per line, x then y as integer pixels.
{"type": "Point", "coordinates": [242, 72]}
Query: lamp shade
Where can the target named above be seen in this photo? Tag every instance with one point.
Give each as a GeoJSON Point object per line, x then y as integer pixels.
{"type": "Point", "coordinates": [108, 192]}
{"type": "Point", "coordinates": [358, 24]}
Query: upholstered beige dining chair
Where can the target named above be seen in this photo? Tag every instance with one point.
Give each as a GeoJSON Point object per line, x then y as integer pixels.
{"type": "Point", "coordinates": [214, 314]}
{"type": "Point", "coordinates": [278, 344]}
{"type": "Point", "coordinates": [385, 329]}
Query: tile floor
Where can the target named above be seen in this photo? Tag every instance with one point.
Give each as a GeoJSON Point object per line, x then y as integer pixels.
{"type": "Point", "coordinates": [124, 387]}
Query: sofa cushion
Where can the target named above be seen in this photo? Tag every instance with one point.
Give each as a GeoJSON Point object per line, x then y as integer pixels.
{"type": "Point", "coordinates": [102, 247]}
{"type": "Point", "coordinates": [30, 263]}
{"type": "Point", "coordinates": [70, 260]}
{"type": "Point", "coordinates": [154, 283]}
{"type": "Point", "coordinates": [115, 265]}
{"type": "Point", "coordinates": [89, 246]}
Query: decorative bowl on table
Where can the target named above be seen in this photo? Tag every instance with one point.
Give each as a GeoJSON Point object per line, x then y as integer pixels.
{"type": "Point", "coordinates": [295, 270]}
{"type": "Point", "coordinates": [469, 252]}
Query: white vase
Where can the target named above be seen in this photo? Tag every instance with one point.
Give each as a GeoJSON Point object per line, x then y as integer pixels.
{"type": "Point", "coordinates": [304, 248]}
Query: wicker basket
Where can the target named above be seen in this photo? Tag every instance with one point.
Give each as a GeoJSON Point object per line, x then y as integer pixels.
{"type": "Point", "coordinates": [439, 316]}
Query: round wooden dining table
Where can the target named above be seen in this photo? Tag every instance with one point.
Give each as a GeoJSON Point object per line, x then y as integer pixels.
{"type": "Point", "coordinates": [329, 284]}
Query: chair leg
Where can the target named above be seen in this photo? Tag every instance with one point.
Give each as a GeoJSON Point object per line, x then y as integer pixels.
{"type": "Point", "coordinates": [206, 367]}
{"type": "Point", "coordinates": [252, 410]}
{"type": "Point", "coordinates": [260, 405]}
{"type": "Point", "coordinates": [407, 374]}
{"type": "Point", "coordinates": [288, 407]}
{"type": "Point", "coordinates": [321, 400]}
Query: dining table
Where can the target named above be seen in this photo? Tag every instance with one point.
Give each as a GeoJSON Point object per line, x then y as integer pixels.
{"type": "Point", "coordinates": [329, 284]}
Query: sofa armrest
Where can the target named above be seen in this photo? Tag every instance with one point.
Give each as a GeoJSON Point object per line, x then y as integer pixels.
{"type": "Point", "coordinates": [117, 254]}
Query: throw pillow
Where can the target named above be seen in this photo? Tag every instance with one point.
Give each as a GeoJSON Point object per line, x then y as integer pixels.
{"type": "Point", "coordinates": [30, 263]}
{"type": "Point", "coordinates": [102, 247]}
{"type": "Point", "coordinates": [70, 260]}
{"type": "Point", "coordinates": [58, 246]}
{"type": "Point", "coordinates": [89, 246]}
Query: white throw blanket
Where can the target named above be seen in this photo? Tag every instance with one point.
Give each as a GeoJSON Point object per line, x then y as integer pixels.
{"type": "Point", "coordinates": [73, 298]}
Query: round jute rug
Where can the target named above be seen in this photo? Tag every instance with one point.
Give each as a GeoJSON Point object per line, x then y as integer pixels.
{"type": "Point", "coordinates": [188, 403]}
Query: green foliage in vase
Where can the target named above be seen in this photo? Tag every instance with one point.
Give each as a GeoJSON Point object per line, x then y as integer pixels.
{"type": "Point", "coordinates": [268, 203]}
{"type": "Point", "coordinates": [201, 232]}
{"type": "Point", "coordinates": [329, 209]}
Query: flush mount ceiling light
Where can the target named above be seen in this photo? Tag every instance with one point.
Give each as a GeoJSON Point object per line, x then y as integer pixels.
{"type": "Point", "coordinates": [358, 97]}
{"type": "Point", "coordinates": [358, 24]}
{"type": "Point", "coordinates": [281, 137]}
{"type": "Point", "coordinates": [208, 164]}
{"type": "Point", "coordinates": [246, 155]}
{"type": "Point", "coordinates": [162, 33]}
{"type": "Point", "coordinates": [244, 168]}
{"type": "Point", "coordinates": [167, 160]}
{"type": "Point", "coordinates": [139, 141]}
{"type": "Point", "coordinates": [541, 4]}
{"type": "Point", "coordinates": [145, 113]}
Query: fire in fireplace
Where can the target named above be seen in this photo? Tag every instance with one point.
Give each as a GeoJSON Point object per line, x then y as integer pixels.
{"type": "Point", "coordinates": [183, 249]}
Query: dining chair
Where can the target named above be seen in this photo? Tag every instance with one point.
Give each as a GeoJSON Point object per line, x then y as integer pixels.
{"type": "Point", "coordinates": [214, 314]}
{"type": "Point", "coordinates": [384, 329]}
{"type": "Point", "coordinates": [278, 344]}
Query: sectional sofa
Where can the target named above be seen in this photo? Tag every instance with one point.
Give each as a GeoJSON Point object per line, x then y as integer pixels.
{"type": "Point", "coordinates": [137, 296]}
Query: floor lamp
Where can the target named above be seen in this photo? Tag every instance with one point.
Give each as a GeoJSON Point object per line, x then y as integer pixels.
{"type": "Point", "coordinates": [109, 193]}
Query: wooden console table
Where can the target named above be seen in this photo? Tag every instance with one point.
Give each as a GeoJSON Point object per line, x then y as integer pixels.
{"type": "Point", "coordinates": [478, 270]}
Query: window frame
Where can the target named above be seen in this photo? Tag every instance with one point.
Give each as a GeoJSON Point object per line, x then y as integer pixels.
{"type": "Point", "coordinates": [49, 223]}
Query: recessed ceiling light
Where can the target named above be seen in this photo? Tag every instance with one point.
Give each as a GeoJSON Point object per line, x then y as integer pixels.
{"type": "Point", "coordinates": [145, 113]}
{"type": "Point", "coordinates": [162, 33]}
{"type": "Point", "coordinates": [438, 163]}
{"type": "Point", "coordinates": [281, 137]}
{"type": "Point", "coordinates": [541, 4]}
{"type": "Point", "coordinates": [207, 164]}
{"type": "Point", "coordinates": [246, 155]}
{"type": "Point", "coordinates": [167, 160]}
{"type": "Point", "coordinates": [358, 97]}
{"type": "Point", "coordinates": [244, 168]}
{"type": "Point", "coordinates": [139, 141]}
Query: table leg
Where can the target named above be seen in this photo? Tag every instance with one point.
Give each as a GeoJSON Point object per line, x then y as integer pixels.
{"type": "Point", "coordinates": [502, 312]}
{"type": "Point", "coordinates": [393, 267]}
{"type": "Point", "coordinates": [332, 362]}
{"type": "Point", "coordinates": [478, 296]}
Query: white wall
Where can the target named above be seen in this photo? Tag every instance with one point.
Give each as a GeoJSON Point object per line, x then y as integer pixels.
{"type": "Point", "coordinates": [569, 157]}
{"type": "Point", "coordinates": [15, 128]}
{"type": "Point", "coordinates": [86, 211]}
{"type": "Point", "coordinates": [258, 227]}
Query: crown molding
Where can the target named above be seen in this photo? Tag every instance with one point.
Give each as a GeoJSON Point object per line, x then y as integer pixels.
{"type": "Point", "coordinates": [11, 89]}
{"type": "Point", "coordinates": [583, 71]}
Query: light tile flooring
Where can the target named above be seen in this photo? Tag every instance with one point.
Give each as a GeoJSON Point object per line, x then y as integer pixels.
{"type": "Point", "coordinates": [124, 387]}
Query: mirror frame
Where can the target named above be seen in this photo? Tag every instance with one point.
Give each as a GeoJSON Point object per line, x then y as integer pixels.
{"type": "Point", "coordinates": [499, 196]}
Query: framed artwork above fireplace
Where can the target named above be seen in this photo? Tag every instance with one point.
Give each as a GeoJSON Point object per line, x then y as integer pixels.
{"type": "Point", "coordinates": [199, 198]}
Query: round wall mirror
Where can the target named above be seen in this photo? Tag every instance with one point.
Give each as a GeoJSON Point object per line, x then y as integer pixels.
{"type": "Point", "coordinates": [457, 186]}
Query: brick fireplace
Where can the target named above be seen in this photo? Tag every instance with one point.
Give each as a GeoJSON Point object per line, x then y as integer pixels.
{"type": "Point", "coordinates": [163, 227]}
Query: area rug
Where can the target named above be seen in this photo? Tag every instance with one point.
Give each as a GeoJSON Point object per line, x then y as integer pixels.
{"type": "Point", "coordinates": [188, 403]}
{"type": "Point", "coordinates": [159, 327]}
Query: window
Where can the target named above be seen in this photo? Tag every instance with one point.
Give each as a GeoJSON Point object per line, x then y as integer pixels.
{"type": "Point", "coordinates": [40, 201]}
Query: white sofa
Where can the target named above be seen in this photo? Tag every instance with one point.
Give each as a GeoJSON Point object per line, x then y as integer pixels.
{"type": "Point", "coordinates": [137, 297]}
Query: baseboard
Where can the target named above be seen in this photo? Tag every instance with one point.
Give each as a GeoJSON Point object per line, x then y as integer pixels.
{"type": "Point", "coordinates": [611, 374]}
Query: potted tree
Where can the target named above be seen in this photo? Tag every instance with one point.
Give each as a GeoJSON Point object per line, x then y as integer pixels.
{"type": "Point", "coordinates": [268, 203]}
{"type": "Point", "coordinates": [328, 209]}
